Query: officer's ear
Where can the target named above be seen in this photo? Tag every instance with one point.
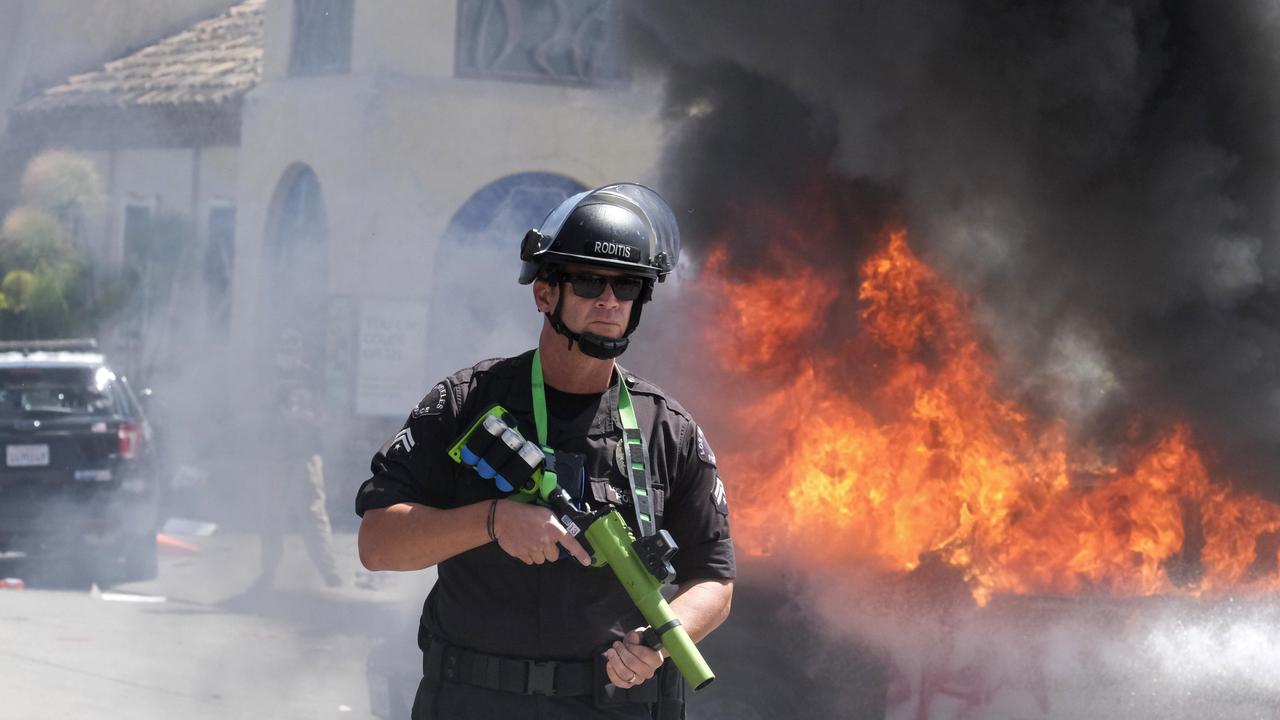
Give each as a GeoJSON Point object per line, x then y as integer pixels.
{"type": "Point", "coordinates": [545, 295]}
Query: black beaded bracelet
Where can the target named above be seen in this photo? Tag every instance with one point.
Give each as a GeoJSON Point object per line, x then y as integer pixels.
{"type": "Point", "coordinates": [493, 510]}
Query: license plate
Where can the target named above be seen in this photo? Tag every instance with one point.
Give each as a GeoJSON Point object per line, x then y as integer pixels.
{"type": "Point", "coordinates": [26, 455]}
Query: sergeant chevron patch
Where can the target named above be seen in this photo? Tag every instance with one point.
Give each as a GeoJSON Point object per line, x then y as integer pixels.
{"type": "Point", "coordinates": [403, 440]}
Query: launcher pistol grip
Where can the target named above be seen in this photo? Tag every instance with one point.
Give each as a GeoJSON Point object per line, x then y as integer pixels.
{"type": "Point", "coordinates": [613, 543]}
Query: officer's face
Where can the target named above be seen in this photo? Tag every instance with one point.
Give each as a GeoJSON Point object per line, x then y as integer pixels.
{"type": "Point", "coordinates": [604, 315]}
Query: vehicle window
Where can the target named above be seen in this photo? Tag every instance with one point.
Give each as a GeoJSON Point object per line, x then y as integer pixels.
{"type": "Point", "coordinates": [125, 399]}
{"type": "Point", "coordinates": [56, 391]}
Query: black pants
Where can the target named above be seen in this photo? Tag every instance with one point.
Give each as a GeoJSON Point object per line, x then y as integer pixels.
{"type": "Point", "coordinates": [455, 701]}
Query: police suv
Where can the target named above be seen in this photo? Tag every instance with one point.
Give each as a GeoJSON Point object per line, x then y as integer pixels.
{"type": "Point", "coordinates": [78, 495]}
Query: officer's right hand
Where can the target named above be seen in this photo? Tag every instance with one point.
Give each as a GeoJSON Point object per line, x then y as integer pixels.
{"type": "Point", "coordinates": [532, 534]}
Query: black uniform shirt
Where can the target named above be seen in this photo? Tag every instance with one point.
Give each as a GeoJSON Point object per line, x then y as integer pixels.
{"type": "Point", "coordinates": [489, 601]}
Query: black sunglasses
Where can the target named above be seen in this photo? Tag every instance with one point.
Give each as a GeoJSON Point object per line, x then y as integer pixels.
{"type": "Point", "coordinates": [590, 285]}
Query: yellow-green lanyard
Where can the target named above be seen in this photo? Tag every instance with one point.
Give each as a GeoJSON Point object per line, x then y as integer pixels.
{"type": "Point", "coordinates": [633, 443]}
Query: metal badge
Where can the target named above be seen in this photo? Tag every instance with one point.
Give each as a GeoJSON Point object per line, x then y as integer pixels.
{"type": "Point", "coordinates": [620, 458]}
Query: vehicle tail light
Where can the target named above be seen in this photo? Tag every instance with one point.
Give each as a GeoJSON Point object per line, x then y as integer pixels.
{"type": "Point", "coordinates": [131, 438]}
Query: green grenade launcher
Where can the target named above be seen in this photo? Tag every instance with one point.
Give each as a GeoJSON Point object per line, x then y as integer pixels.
{"type": "Point", "coordinates": [496, 450]}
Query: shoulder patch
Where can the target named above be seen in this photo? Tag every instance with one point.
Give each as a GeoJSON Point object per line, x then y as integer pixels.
{"type": "Point", "coordinates": [704, 450]}
{"type": "Point", "coordinates": [403, 442]}
{"type": "Point", "coordinates": [718, 496]}
{"type": "Point", "coordinates": [434, 403]}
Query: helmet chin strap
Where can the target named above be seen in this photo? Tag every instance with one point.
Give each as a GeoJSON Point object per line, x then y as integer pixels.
{"type": "Point", "coordinates": [592, 345]}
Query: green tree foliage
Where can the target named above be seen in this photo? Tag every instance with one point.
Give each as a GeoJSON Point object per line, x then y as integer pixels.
{"type": "Point", "coordinates": [47, 284]}
{"type": "Point", "coordinates": [45, 287]}
{"type": "Point", "coordinates": [34, 239]}
{"type": "Point", "coordinates": [50, 286]}
{"type": "Point", "coordinates": [16, 290]}
{"type": "Point", "coordinates": [62, 182]}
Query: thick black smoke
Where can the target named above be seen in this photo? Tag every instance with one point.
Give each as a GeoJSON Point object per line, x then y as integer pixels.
{"type": "Point", "coordinates": [1101, 175]}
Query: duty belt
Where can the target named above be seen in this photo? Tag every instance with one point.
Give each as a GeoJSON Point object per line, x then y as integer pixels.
{"type": "Point", "coordinates": [559, 678]}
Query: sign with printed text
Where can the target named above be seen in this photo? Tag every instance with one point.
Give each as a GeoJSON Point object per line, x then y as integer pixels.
{"type": "Point", "coordinates": [392, 356]}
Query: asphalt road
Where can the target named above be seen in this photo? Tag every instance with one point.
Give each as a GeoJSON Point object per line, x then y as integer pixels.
{"type": "Point", "coordinates": [197, 642]}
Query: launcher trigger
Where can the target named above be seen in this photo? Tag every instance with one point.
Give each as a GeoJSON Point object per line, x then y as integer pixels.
{"type": "Point", "coordinates": [655, 551]}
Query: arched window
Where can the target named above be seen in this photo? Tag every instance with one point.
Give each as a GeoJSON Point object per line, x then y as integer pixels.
{"type": "Point", "coordinates": [295, 279]}
{"type": "Point", "coordinates": [475, 296]}
{"type": "Point", "coordinates": [301, 224]}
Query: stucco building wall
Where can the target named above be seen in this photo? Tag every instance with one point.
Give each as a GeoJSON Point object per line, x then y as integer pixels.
{"type": "Point", "coordinates": [398, 145]}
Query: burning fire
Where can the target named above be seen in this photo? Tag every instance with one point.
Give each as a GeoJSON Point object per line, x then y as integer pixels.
{"type": "Point", "coordinates": [896, 444]}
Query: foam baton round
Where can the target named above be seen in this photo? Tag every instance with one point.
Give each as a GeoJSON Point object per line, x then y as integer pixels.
{"type": "Point", "coordinates": [497, 451]}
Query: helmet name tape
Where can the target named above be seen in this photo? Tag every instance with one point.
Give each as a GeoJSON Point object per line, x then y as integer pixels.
{"type": "Point", "coordinates": [609, 248]}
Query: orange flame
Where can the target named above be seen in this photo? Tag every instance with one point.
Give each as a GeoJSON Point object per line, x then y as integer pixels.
{"type": "Point", "coordinates": [930, 460]}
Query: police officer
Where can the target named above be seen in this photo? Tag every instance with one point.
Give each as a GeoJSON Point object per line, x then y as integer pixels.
{"type": "Point", "coordinates": [518, 625]}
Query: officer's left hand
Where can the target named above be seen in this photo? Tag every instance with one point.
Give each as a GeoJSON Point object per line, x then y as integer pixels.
{"type": "Point", "coordinates": [630, 661]}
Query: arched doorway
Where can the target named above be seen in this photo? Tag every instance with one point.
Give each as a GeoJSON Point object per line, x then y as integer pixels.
{"type": "Point", "coordinates": [295, 281]}
{"type": "Point", "coordinates": [475, 299]}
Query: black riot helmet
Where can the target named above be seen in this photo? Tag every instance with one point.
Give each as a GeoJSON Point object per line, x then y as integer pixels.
{"type": "Point", "coordinates": [623, 227]}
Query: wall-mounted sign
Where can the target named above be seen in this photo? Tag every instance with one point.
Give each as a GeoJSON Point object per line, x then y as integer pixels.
{"type": "Point", "coordinates": [391, 373]}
